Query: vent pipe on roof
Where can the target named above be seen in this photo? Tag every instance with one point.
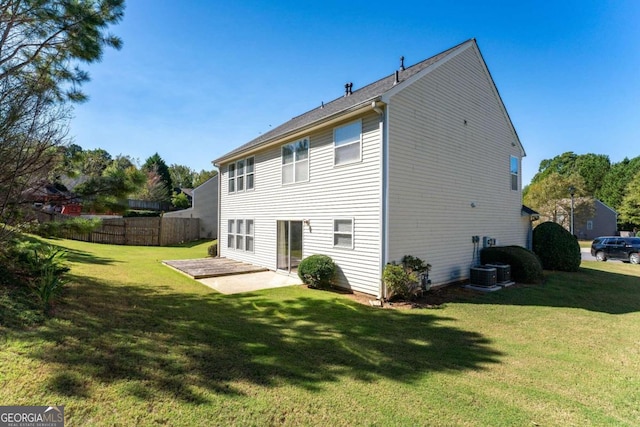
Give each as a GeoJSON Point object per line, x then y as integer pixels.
{"type": "Point", "coordinates": [397, 79]}
{"type": "Point", "coordinates": [402, 63]}
{"type": "Point", "coordinates": [347, 89]}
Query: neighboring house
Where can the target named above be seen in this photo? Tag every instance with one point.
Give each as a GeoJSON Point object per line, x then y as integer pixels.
{"type": "Point", "coordinates": [418, 163]}
{"type": "Point", "coordinates": [204, 206]}
{"type": "Point", "coordinates": [604, 222]}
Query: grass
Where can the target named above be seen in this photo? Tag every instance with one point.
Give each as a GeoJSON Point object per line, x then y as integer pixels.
{"type": "Point", "coordinates": [135, 343]}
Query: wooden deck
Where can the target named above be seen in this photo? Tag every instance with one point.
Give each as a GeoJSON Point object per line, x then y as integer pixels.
{"type": "Point", "coordinates": [212, 267]}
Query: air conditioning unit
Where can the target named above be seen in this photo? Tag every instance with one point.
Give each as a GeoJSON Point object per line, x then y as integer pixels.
{"type": "Point", "coordinates": [503, 272]}
{"type": "Point", "coordinates": [483, 276]}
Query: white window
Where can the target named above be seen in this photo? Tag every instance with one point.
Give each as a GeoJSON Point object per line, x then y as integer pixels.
{"type": "Point", "coordinates": [343, 233]}
{"type": "Point", "coordinates": [589, 225]}
{"type": "Point", "coordinates": [347, 143]}
{"type": "Point", "coordinates": [514, 173]}
{"type": "Point", "coordinates": [231, 235]}
{"type": "Point", "coordinates": [241, 175]}
{"type": "Point", "coordinates": [295, 162]}
{"type": "Point", "coordinates": [249, 236]}
{"type": "Point", "coordinates": [232, 178]}
{"type": "Point", "coordinates": [250, 165]}
{"type": "Point", "coordinates": [240, 234]}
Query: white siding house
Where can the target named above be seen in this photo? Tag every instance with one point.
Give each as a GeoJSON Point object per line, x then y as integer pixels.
{"type": "Point", "coordinates": [205, 207]}
{"type": "Point", "coordinates": [416, 163]}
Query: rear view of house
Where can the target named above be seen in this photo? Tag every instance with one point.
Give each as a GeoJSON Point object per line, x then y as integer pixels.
{"type": "Point", "coordinates": [423, 162]}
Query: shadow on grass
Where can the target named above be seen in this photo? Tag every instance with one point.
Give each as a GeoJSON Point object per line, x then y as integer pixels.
{"type": "Point", "coordinates": [587, 289]}
{"type": "Point", "coordinates": [182, 344]}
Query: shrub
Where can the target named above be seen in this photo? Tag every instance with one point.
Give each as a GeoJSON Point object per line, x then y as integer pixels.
{"type": "Point", "coordinates": [400, 282]}
{"type": "Point", "coordinates": [38, 267]}
{"type": "Point", "coordinates": [403, 280]}
{"type": "Point", "coordinates": [212, 250]}
{"type": "Point", "coordinates": [556, 247]}
{"type": "Point", "coordinates": [317, 271]}
{"type": "Point", "coordinates": [76, 225]}
{"type": "Point", "coordinates": [525, 265]}
{"type": "Point", "coordinates": [415, 264]}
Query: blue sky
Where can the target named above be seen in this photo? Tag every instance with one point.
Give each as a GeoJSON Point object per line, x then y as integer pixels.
{"type": "Point", "coordinates": [197, 78]}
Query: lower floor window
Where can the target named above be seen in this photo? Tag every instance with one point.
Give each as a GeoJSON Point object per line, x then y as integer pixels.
{"type": "Point", "coordinates": [343, 233]}
{"type": "Point", "coordinates": [240, 234]}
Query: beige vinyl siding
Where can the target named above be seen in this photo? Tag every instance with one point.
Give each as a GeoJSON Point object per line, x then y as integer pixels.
{"type": "Point", "coordinates": [332, 192]}
{"type": "Point", "coordinates": [450, 144]}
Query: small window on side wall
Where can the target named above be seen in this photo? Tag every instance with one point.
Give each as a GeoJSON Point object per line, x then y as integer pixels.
{"type": "Point", "coordinates": [347, 143]}
{"type": "Point", "coordinates": [343, 233]}
{"type": "Point", "coordinates": [232, 178]}
{"type": "Point", "coordinates": [515, 171]}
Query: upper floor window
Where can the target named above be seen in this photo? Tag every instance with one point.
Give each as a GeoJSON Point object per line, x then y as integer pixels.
{"type": "Point", "coordinates": [514, 173]}
{"type": "Point", "coordinates": [347, 143]}
{"type": "Point", "coordinates": [295, 161]}
{"type": "Point", "coordinates": [241, 175]}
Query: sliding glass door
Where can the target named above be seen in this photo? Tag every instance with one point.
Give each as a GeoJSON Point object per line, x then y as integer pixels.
{"type": "Point", "coordinates": [289, 242]}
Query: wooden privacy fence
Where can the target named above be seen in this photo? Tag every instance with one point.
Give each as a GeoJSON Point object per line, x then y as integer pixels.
{"type": "Point", "coordinates": [156, 231]}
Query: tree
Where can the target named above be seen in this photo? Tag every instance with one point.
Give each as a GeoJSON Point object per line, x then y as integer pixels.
{"type": "Point", "coordinates": [154, 189]}
{"type": "Point", "coordinates": [41, 42]}
{"type": "Point", "coordinates": [629, 211]}
{"type": "Point", "coordinates": [591, 167]}
{"type": "Point", "coordinates": [616, 181]}
{"type": "Point", "coordinates": [181, 176]}
{"type": "Point", "coordinates": [550, 197]}
{"type": "Point", "coordinates": [109, 191]}
{"type": "Point", "coordinates": [159, 177]}
{"type": "Point", "coordinates": [203, 176]}
{"type": "Point", "coordinates": [180, 201]}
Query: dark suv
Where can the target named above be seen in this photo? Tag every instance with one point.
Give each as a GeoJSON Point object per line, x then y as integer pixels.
{"type": "Point", "coordinates": [626, 249]}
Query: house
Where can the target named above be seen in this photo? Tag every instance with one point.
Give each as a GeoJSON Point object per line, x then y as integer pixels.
{"type": "Point", "coordinates": [204, 199]}
{"type": "Point", "coordinates": [602, 222]}
{"type": "Point", "coordinates": [424, 162]}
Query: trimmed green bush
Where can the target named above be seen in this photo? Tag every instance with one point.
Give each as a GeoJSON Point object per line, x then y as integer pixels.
{"type": "Point", "coordinates": [556, 247]}
{"type": "Point", "coordinates": [317, 271]}
{"type": "Point", "coordinates": [401, 282]}
{"type": "Point", "coordinates": [525, 265]}
{"type": "Point", "coordinates": [212, 250]}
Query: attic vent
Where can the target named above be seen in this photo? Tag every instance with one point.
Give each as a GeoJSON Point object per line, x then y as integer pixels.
{"type": "Point", "coordinates": [347, 89]}
{"type": "Point", "coordinates": [402, 63]}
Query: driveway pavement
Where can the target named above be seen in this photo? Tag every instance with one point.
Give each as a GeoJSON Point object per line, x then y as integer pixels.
{"type": "Point", "coordinates": [586, 254]}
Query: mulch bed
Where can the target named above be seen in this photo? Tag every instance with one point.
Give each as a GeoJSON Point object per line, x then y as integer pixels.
{"type": "Point", "coordinates": [433, 299]}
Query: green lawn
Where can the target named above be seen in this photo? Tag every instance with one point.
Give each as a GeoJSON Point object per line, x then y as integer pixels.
{"type": "Point", "coordinates": [136, 343]}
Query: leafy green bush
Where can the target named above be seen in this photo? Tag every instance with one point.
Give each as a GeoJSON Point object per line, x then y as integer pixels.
{"type": "Point", "coordinates": [556, 247]}
{"type": "Point", "coordinates": [77, 225]}
{"type": "Point", "coordinates": [525, 265]}
{"type": "Point", "coordinates": [415, 264]}
{"type": "Point", "coordinates": [317, 271]}
{"type": "Point", "coordinates": [212, 250]}
{"type": "Point", "coordinates": [403, 280]}
{"type": "Point", "coordinates": [37, 266]}
{"type": "Point", "coordinates": [400, 282]}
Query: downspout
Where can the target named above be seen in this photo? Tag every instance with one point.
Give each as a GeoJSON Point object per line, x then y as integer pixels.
{"type": "Point", "coordinates": [379, 107]}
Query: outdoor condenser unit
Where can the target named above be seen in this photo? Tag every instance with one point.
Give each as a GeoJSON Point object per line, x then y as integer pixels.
{"type": "Point", "coordinates": [503, 272]}
{"type": "Point", "coordinates": [483, 276]}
